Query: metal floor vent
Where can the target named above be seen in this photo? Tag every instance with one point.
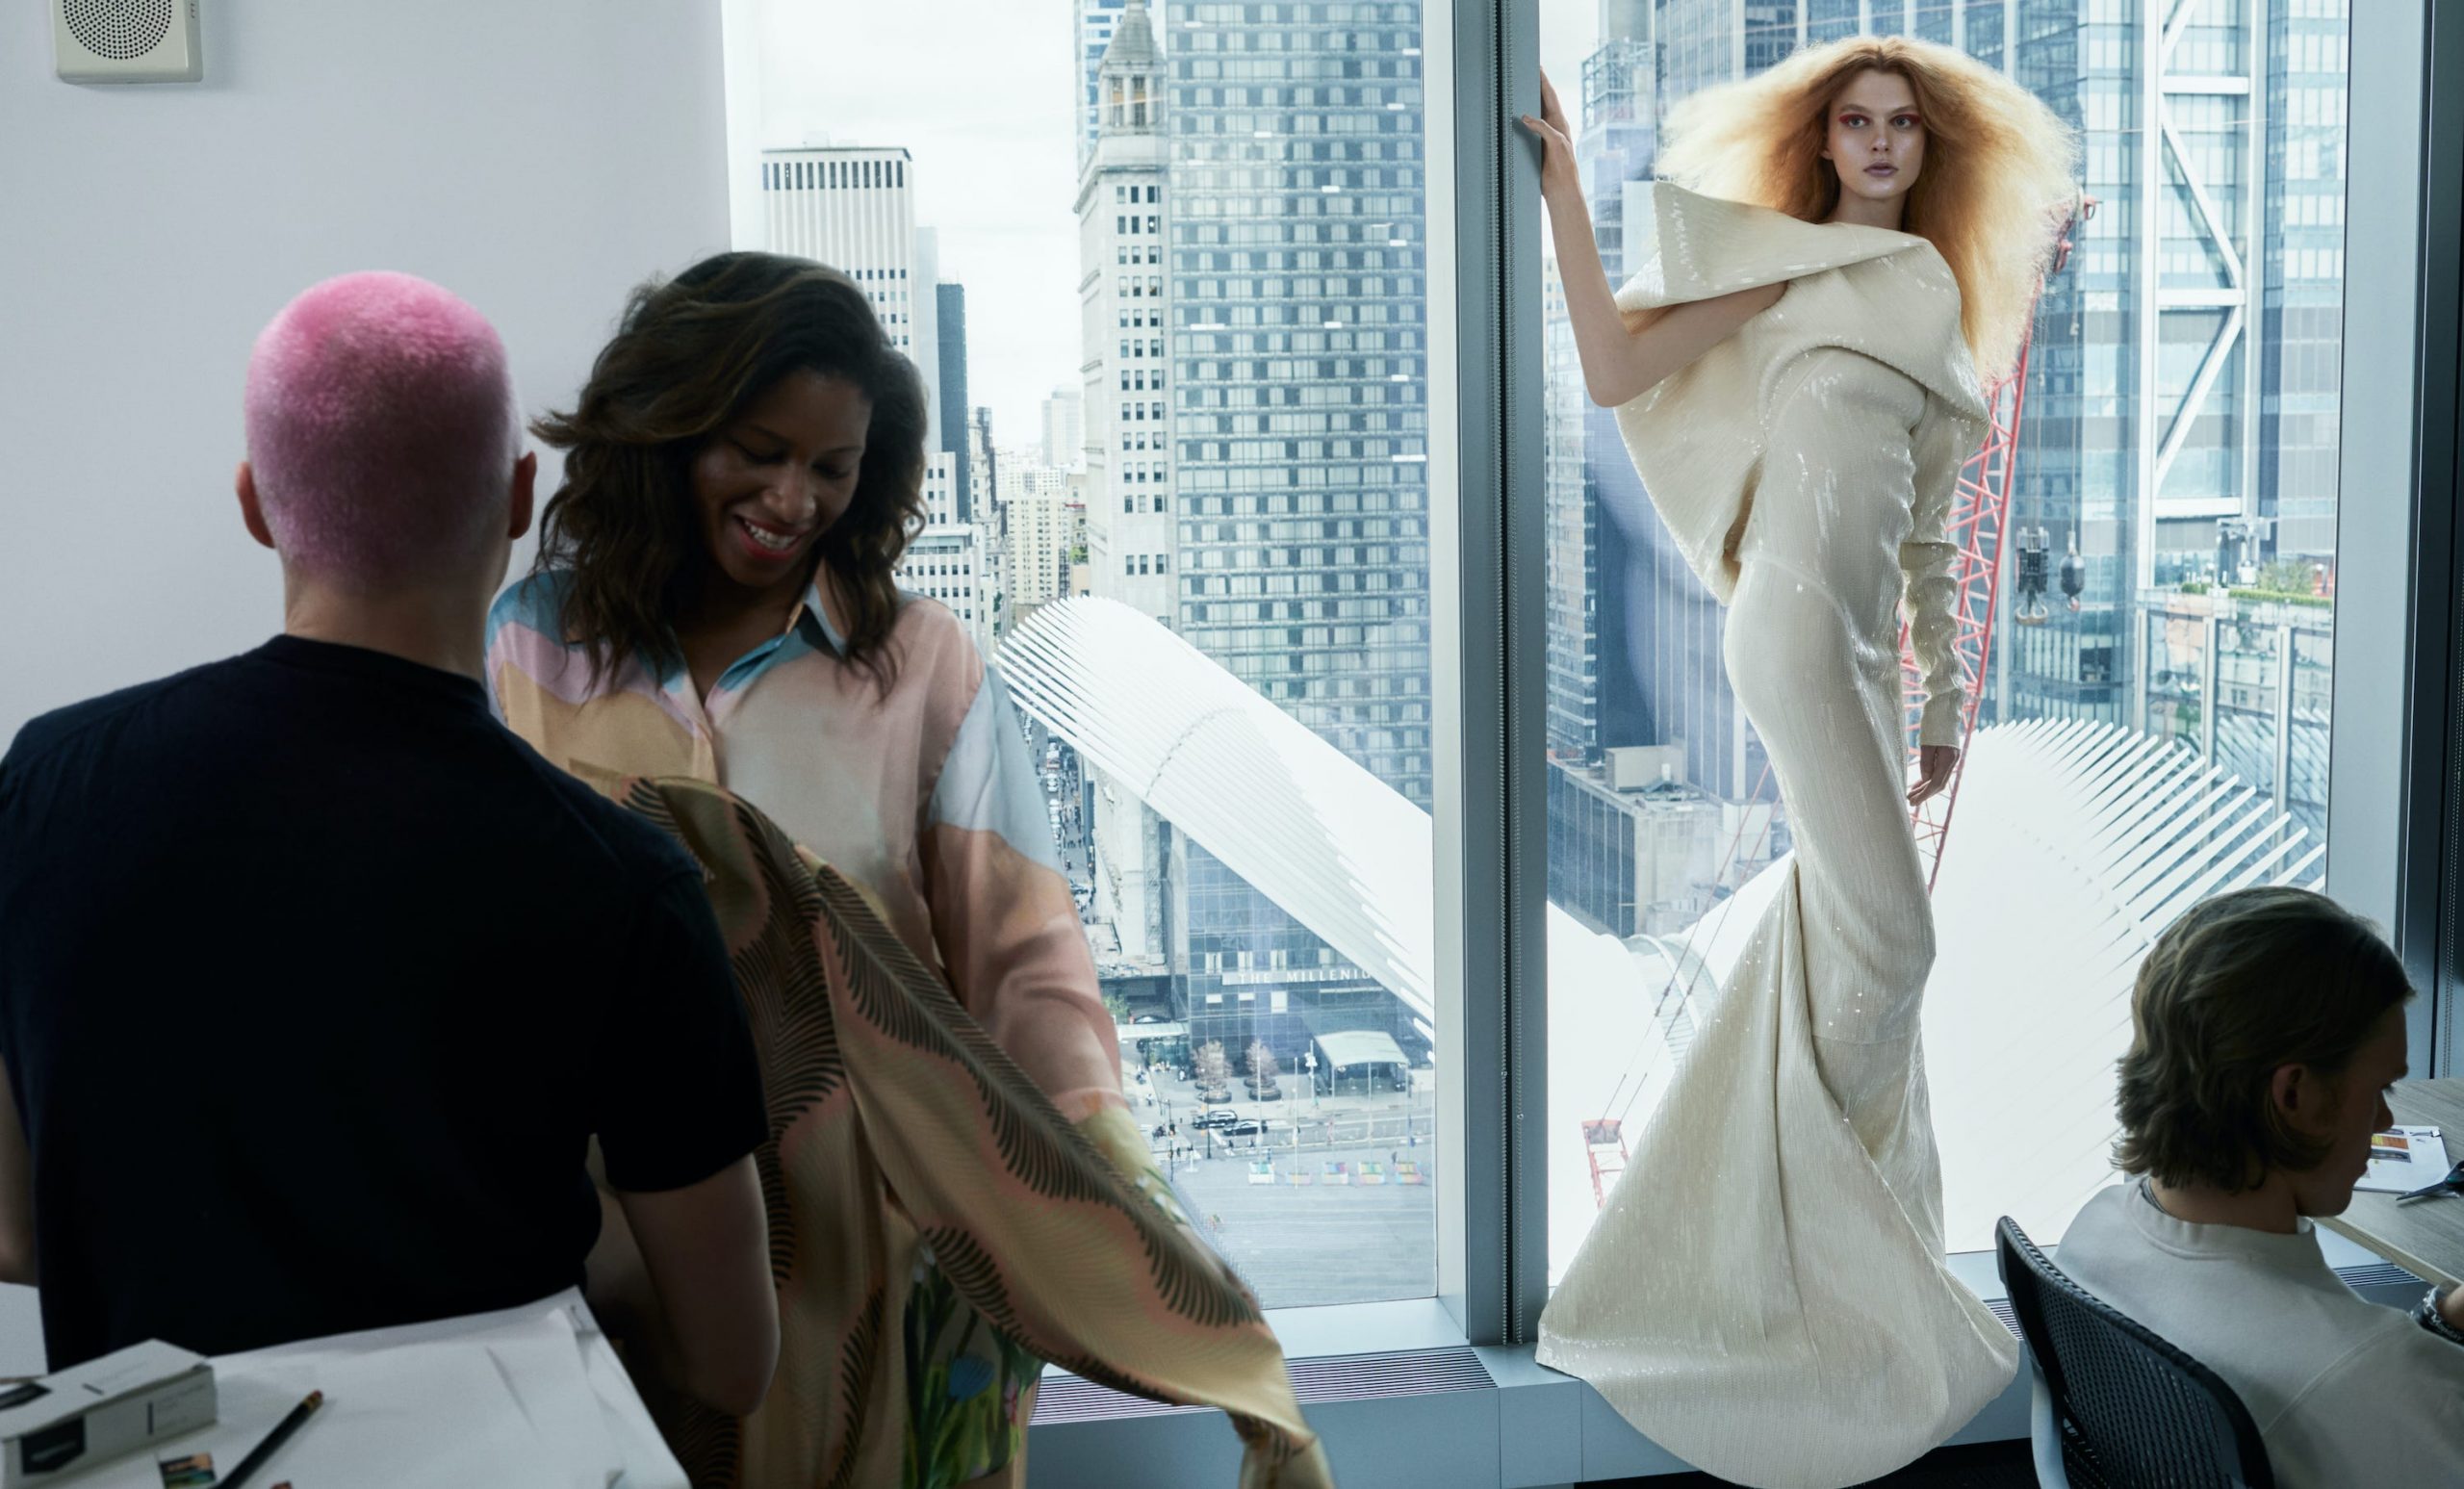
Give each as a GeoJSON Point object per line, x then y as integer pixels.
{"type": "Point", "coordinates": [1335, 1377]}
{"type": "Point", "coordinates": [2377, 1274]}
{"type": "Point", "coordinates": [2001, 1307]}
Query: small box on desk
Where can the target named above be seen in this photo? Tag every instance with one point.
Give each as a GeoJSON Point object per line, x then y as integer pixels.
{"type": "Point", "coordinates": [71, 1419]}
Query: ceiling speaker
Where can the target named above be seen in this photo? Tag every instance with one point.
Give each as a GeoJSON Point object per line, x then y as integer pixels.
{"type": "Point", "coordinates": [126, 42]}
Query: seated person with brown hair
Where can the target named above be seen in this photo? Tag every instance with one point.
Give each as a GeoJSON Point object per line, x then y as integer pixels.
{"type": "Point", "coordinates": [2266, 1026]}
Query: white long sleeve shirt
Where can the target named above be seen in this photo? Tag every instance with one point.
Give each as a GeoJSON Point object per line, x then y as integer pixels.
{"type": "Point", "coordinates": [2346, 1394]}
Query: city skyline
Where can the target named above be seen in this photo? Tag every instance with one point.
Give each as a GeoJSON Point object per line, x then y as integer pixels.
{"type": "Point", "coordinates": [995, 149]}
{"type": "Point", "coordinates": [1253, 370]}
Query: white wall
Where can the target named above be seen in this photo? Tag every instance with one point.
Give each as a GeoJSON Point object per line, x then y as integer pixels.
{"type": "Point", "coordinates": [537, 157]}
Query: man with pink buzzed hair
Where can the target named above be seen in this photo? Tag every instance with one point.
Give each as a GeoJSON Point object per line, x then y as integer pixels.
{"type": "Point", "coordinates": [317, 984]}
{"type": "Point", "coordinates": [384, 442]}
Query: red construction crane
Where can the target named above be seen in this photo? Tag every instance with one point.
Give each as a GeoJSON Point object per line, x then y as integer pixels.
{"type": "Point", "coordinates": [1979, 518]}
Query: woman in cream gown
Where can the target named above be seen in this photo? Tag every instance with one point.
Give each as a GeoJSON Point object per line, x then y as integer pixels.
{"type": "Point", "coordinates": [1765, 1293]}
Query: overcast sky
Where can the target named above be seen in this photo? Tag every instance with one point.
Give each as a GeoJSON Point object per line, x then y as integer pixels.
{"type": "Point", "coordinates": [980, 92]}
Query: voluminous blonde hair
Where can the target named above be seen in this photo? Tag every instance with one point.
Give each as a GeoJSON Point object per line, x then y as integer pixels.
{"type": "Point", "coordinates": [1998, 179]}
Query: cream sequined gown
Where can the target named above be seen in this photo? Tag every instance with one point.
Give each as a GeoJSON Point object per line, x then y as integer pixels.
{"type": "Point", "coordinates": [1765, 1295]}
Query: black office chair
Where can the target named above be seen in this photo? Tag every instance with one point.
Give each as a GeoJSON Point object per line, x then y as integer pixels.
{"type": "Point", "coordinates": [2118, 1407]}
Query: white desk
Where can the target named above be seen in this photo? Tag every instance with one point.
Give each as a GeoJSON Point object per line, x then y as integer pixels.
{"type": "Point", "coordinates": [530, 1398]}
{"type": "Point", "coordinates": [2425, 1237]}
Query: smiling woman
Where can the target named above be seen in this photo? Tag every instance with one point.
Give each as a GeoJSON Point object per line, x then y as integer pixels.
{"type": "Point", "coordinates": [714, 599]}
{"type": "Point", "coordinates": [773, 481]}
{"type": "Point", "coordinates": [766, 382]}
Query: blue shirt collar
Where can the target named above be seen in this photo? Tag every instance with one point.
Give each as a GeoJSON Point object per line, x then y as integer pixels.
{"type": "Point", "coordinates": [811, 625]}
{"type": "Point", "coordinates": [812, 621]}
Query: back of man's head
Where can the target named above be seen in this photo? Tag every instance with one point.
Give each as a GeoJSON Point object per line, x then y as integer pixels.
{"type": "Point", "coordinates": [2241, 984]}
{"type": "Point", "coordinates": [383, 436]}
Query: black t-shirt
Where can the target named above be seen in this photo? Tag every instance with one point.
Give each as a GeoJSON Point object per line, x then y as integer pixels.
{"type": "Point", "coordinates": [313, 983]}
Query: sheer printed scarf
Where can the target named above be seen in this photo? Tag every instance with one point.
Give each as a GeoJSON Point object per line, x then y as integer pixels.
{"type": "Point", "coordinates": [896, 1123]}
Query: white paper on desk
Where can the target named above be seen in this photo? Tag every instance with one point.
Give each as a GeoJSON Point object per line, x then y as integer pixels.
{"type": "Point", "coordinates": [648, 1462]}
{"type": "Point", "coordinates": [511, 1405]}
{"type": "Point", "coordinates": [2403, 1159]}
{"type": "Point", "coordinates": [422, 1417]}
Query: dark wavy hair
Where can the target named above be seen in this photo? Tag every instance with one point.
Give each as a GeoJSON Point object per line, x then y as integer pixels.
{"type": "Point", "coordinates": [689, 356]}
{"type": "Point", "coordinates": [2238, 985]}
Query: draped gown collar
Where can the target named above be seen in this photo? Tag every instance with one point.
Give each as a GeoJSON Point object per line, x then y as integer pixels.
{"type": "Point", "coordinates": [1688, 247]}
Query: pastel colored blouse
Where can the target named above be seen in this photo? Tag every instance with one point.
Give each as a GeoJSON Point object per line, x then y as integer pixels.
{"type": "Point", "coordinates": [925, 797]}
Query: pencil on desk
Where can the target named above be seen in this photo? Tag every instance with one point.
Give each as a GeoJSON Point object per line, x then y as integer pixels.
{"type": "Point", "coordinates": [257, 1455]}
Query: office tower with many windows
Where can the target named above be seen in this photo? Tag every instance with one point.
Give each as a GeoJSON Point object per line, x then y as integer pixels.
{"type": "Point", "coordinates": [1650, 756]}
{"type": "Point", "coordinates": [1595, 701]}
{"type": "Point", "coordinates": [1125, 442]}
{"type": "Point", "coordinates": [1571, 526]}
{"type": "Point", "coordinates": [1299, 302]}
{"type": "Point", "coordinates": [853, 209]}
{"type": "Point", "coordinates": [1645, 743]}
{"type": "Point", "coordinates": [1034, 499]}
{"type": "Point", "coordinates": [2183, 400]}
{"type": "Point", "coordinates": [947, 563]}
{"type": "Point", "coordinates": [1298, 343]}
{"type": "Point", "coordinates": [945, 560]}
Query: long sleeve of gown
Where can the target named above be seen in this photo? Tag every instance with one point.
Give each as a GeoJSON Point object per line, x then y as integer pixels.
{"type": "Point", "coordinates": [1002, 916]}
{"type": "Point", "coordinates": [1929, 560]}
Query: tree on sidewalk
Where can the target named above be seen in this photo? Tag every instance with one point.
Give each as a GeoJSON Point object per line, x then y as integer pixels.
{"type": "Point", "coordinates": [1263, 1070]}
{"type": "Point", "coordinates": [1213, 1073]}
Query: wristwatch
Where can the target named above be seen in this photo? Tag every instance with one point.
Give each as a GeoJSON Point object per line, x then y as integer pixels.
{"type": "Point", "coordinates": [2425, 1314]}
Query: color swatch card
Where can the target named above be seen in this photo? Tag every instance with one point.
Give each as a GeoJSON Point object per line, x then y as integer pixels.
{"type": "Point", "coordinates": [2403, 1159]}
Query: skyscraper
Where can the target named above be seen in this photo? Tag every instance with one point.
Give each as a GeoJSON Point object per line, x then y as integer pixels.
{"type": "Point", "coordinates": [946, 560]}
{"type": "Point", "coordinates": [1296, 277]}
{"type": "Point", "coordinates": [1035, 520]}
{"type": "Point", "coordinates": [1065, 427]}
{"type": "Point", "coordinates": [951, 323]}
{"type": "Point", "coordinates": [1125, 441]}
{"type": "Point", "coordinates": [1090, 32]}
{"type": "Point", "coordinates": [1298, 299]}
{"type": "Point", "coordinates": [1253, 362]}
{"type": "Point", "coordinates": [2183, 403]}
{"type": "Point", "coordinates": [1595, 697]}
{"type": "Point", "coordinates": [853, 209]}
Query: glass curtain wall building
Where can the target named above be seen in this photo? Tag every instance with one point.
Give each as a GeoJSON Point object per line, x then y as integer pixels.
{"type": "Point", "coordinates": [1254, 361]}
{"type": "Point", "coordinates": [1296, 262]}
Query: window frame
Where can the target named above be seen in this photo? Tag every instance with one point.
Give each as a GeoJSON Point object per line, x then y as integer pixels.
{"type": "Point", "coordinates": [1491, 806]}
{"type": "Point", "coordinates": [2392, 732]}
{"type": "Point", "coordinates": [2396, 824]}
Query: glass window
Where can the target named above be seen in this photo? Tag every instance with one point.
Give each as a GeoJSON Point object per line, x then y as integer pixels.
{"type": "Point", "coordinates": [2162, 521]}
